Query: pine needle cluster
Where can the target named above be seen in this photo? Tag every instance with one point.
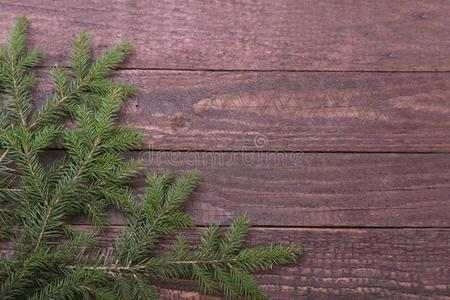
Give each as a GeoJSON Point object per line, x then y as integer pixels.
{"type": "Point", "coordinates": [50, 258]}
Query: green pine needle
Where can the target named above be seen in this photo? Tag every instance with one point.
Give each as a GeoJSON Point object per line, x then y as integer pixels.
{"type": "Point", "coordinates": [51, 259]}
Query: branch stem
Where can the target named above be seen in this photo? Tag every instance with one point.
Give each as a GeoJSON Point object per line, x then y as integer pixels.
{"type": "Point", "coordinates": [55, 200]}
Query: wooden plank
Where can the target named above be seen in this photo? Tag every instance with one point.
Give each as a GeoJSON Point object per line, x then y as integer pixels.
{"type": "Point", "coordinates": [325, 189]}
{"type": "Point", "coordinates": [249, 35]}
{"type": "Point", "coordinates": [339, 263]}
{"type": "Point", "coordinates": [344, 264]}
{"type": "Point", "coordinates": [288, 111]}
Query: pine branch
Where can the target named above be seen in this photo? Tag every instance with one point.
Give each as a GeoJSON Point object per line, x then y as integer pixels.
{"type": "Point", "coordinates": [75, 285]}
{"type": "Point", "coordinates": [18, 81]}
{"type": "Point", "coordinates": [219, 264]}
{"type": "Point", "coordinates": [158, 217]}
{"type": "Point", "coordinates": [18, 141]}
{"type": "Point", "coordinates": [50, 257]}
{"type": "Point", "coordinates": [86, 79]}
{"type": "Point", "coordinates": [73, 178]}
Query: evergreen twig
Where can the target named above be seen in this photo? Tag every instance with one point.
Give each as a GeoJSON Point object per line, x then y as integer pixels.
{"type": "Point", "coordinates": [53, 260]}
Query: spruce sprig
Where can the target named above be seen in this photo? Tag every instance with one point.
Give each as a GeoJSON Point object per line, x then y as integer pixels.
{"type": "Point", "coordinates": [51, 259]}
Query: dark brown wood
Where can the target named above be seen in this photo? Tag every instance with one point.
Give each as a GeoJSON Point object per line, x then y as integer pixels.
{"type": "Point", "coordinates": [288, 111]}
{"type": "Point", "coordinates": [312, 189]}
{"type": "Point", "coordinates": [246, 129]}
{"type": "Point", "coordinates": [340, 263]}
{"type": "Point", "coordinates": [346, 263]}
{"type": "Point", "coordinates": [257, 35]}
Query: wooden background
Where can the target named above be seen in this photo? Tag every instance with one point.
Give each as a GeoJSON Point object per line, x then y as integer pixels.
{"type": "Point", "coordinates": [328, 121]}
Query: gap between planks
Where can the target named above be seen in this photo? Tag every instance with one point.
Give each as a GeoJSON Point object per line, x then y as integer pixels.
{"type": "Point", "coordinates": [302, 228]}
{"type": "Point", "coordinates": [49, 67]}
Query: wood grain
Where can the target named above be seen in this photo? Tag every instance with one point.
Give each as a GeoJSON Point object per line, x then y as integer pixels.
{"type": "Point", "coordinates": [249, 35]}
{"type": "Point", "coordinates": [288, 111]}
{"type": "Point", "coordinates": [338, 263]}
{"type": "Point", "coordinates": [344, 264]}
{"type": "Point", "coordinates": [324, 189]}
{"type": "Point", "coordinates": [218, 80]}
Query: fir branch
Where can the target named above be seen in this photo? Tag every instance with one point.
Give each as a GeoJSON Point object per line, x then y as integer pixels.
{"type": "Point", "coordinates": [18, 81]}
{"type": "Point", "coordinates": [158, 216]}
{"type": "Point", "coordinates": [86, 79]}
{"type": "Point", "coordinates": [38, 198]}
{"type": "Point", "coordinates": [80, 56]}
{"type": "Point", "coordinates": [18, 140]}
{"type": "Point", "coordinates": [98, 129]}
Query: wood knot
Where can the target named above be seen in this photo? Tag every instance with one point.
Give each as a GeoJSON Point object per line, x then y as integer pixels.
{"type": "Point", "coordinates": [421, 15]}
{"type": "Point", "coordinates": [178, 122]}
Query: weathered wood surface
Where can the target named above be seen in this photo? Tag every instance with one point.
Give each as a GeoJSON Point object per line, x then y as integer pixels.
{"type": "Point", "coordinates": [251, 35]}
{"type": "Point", "coordinates": [339, 263]}
{"type": "Point", "coordinates": [345, 264]}
{"type": "Point", "coordinates": [288, 111]}
{"type": "Point", "coordinates": [322, 189]}
{"type": "Point", "coordinates": [240, 128]}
